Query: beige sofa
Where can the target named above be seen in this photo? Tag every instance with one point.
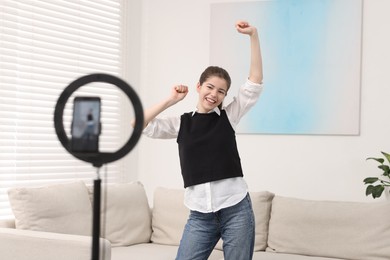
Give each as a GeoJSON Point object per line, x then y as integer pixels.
{"type": "Point", "coordinates": [54, 223]}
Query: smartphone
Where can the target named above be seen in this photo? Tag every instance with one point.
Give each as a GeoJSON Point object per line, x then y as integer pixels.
{"type": "Point", "coordinates": [85, 128]}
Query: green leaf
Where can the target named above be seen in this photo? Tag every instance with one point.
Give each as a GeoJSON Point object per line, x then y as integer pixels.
{"type": "Point", "coordinates": [385, 168]}
{"type": "Point", "coordinates": [380, 160]}
{"type": "Point", "coordinates": [370, 180]}
{"type": "Point", "coordinates": [387, 156]}
{"type": "Point", "coordinates": [369, 190]}
{"type": "Point", "coordinates": [377, 191]}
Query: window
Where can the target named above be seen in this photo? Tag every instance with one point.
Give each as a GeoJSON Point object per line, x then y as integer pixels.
{"type": "Point", "coordinates": [45, 45]}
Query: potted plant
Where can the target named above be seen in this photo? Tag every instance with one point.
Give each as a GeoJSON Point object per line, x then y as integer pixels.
{"type": "Point", "coordinates": [376, 185]}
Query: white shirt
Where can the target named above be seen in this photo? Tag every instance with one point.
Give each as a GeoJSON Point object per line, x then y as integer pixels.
{"type": "Point", "coordinates": [215, 195]}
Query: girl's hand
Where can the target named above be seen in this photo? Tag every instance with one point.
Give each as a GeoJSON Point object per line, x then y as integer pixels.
{"type": "Point", "coordinates": [179, 92]}
{"type": "Point", "coordinates": [245, 28]}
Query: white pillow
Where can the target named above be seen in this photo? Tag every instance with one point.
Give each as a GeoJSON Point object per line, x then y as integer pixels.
{"type": "Point", "coordinates": [261, 204]}
{"type": "Point", "coordinates": [60, 208]}
{"type": "Point", "coordinates": [169, 216]}
{"type": "Point", "coordinates": [128, 216]}
{"type": "Point", "coordinates": [346, 230]}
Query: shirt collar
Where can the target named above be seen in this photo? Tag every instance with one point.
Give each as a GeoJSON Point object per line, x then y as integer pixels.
{"type": "Point", "coordinates": [216, 110]}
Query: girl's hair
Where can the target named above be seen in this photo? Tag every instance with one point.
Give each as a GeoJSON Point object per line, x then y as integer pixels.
{"type": "Point", "coordinates": [217, 72]}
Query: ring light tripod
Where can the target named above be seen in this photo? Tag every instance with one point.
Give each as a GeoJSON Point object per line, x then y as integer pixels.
{"type": "Point", "coordinates": [98, 159]}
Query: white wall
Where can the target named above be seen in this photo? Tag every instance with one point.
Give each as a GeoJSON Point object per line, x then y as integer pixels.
{"type": "Point", "coordinates": [175, 50]}
{"type": "Point", "coordinates": [132, 75]}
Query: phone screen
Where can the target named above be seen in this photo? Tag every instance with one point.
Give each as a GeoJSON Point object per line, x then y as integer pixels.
{"type": "Point", "coordinates": [85, 124]}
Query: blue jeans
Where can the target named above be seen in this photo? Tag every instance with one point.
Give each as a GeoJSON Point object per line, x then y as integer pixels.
{"type": "Point", "coordinates": [235, 225]}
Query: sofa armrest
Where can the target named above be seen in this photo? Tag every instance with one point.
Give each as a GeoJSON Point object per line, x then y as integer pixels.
{"type": "Point", "coordinates": [19, 244]}
{"type": "Point", "coordinates": [7, 223]}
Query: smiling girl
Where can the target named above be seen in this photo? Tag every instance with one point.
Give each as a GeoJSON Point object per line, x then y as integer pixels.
{"type": "Point", "coordinates": [215, 190]}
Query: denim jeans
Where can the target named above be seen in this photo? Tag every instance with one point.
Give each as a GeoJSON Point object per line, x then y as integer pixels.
{"type": "Point", "coordinates": [235, 225]}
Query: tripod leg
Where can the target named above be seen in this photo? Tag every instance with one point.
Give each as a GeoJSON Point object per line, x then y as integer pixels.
{"type": "Point", "coordinates": [96, 219]}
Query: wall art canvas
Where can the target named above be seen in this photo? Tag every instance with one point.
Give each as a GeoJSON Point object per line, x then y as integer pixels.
{"type": "Point", "coordinates": [311, 58]}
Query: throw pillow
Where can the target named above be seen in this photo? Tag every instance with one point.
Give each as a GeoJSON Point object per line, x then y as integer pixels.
{"type": "Point", "coordinates": [345, 230]}
{"type": "Point", "coordinates": [169, 216]}
{"type": "Point", "coordinates": [61, 208]}
{"type": "Point", "coordinates": [261, 205]}
{"type": "Point", "coordinates": [126, 217]}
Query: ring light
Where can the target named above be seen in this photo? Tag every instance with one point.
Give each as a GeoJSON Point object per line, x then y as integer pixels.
{"type": "Point", "coordinates": [98, 159]}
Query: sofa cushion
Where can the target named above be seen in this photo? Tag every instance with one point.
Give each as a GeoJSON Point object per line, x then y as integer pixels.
{"type": "Point", "coordinates": [261, 204]}
{"type": "Point", "coordinates": [61, 208]}
{"type": "Point", "coordinates": [170, 216]}
{"type": "Point", "coordinates": [18, 244]}
{"type": "Point", "coordinates": [152, 251]}
{"type": "Point", "coordinates": [280, 256]}
{"type": "Point", "coordinates": [346, 230]}
{"type": "Point", "coordinates": [128, 217]}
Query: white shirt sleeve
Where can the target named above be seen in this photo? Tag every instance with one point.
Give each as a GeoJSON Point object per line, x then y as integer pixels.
{"type": "Point", "coordinates": [163, 127]}
{"type": "Point", "coordinates": [246, 98]}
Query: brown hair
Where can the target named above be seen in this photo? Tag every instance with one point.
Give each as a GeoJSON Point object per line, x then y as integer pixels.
{"type": "Point", "coordinates": [217, 72]}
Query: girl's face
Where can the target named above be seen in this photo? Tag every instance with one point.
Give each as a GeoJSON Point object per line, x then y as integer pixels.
{"type": "Point", "coordinates": [211, 93]}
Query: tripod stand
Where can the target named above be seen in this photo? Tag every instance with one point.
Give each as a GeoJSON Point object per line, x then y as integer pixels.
{"type": "Point", "coordinates": [99, 158]}
{"type": "Point", "coordinates": [96, 217]}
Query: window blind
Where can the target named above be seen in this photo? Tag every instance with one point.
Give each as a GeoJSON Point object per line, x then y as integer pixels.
{"type": "Point", "coordinates": [44, 46]}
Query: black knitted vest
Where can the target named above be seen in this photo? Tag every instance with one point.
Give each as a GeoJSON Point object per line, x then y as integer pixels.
{"type": "Point", "coordinates": [207, 148]}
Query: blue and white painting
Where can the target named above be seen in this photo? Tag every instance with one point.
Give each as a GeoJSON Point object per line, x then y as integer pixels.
{"type": "Point", "coordinates": [312, 63]}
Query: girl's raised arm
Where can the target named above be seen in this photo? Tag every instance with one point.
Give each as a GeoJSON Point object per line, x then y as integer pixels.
{"type": "Point", "coordinates": [256, 65]}
{"type": "Point", "coordinates": [177, 94]}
